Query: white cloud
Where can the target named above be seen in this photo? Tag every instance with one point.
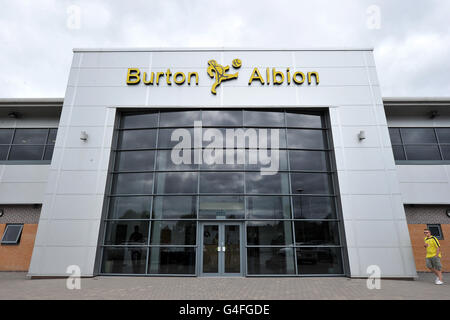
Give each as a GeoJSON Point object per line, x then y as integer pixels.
{"type": "Point", "coordinates": [411, 46]}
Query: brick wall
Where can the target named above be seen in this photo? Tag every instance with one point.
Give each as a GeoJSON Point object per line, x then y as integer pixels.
{"type": "Point", "coordinates": [17, 257]}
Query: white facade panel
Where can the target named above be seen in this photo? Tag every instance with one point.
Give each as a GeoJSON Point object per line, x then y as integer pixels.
{"type": "Point", "coordinates": [23, 184]}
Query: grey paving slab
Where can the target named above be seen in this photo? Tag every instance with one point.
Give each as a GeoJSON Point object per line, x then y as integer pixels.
{"type": "Point", "coordinates": [15, 285]}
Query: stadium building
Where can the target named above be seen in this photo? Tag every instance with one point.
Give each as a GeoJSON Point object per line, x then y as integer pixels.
{"type": "Point", "coordinates": [223, 162]}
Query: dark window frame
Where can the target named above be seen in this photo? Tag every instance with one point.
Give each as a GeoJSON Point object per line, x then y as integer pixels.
{"type": "Point", "coordinates": [45, 146]}
{"type": "Point", "coordinates": [331, 172]}
{"type": "Point", "coordinates": [404, 145]}
{"type": "Point", "coordinates": [438, 226]}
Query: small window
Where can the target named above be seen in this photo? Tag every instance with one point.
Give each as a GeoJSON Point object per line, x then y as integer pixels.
{"type": "Point", "coordinates": [436, 231]}
{"type": "Point", "coordinates": [12, 234]}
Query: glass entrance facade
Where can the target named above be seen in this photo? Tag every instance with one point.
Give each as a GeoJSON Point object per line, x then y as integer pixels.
{"type": "Point", "coordinates": [176, 172]}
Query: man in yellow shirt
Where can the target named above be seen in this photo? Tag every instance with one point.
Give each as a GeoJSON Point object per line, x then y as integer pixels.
{"type": "Point", "coordinates": [434, 255]}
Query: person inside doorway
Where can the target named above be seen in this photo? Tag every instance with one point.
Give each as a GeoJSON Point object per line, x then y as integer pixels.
{"type": "Point", "coordinates": [433, 257]}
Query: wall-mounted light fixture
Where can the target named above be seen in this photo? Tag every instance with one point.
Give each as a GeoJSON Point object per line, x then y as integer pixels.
{"type": "Point", "coordinates": [14, 115]}
{"type": "Point", "coordinates": [1, 213]}
{"type": "Point", "coordinates": [361, 135]}
{"type": "Point", "coordinates": [447, 212]}
{"type": "Point", "coordinates": [434, 114]}
{"type": "Point", "coordinates": [84, 136]}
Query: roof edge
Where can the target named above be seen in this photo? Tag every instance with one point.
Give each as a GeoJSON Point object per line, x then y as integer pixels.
{"type": "Point", "coordinates": [31, 102]}
{"type": "Point", "coordinates": [416, 101]}
{"type": "Point", "coordinates": [199, 49]}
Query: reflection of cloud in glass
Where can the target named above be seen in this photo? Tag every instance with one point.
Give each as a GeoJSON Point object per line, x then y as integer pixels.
{"type": "Point", "coordinates": [264, 118]}
{"type": "Point", "coordinates": [222, 118]}
{"type": "Point", "coordinates": [137, 139]}
{"type": "Point", "coordinates": [133, 183]}
{"type": "Point", "coordinates": [306, 139]}
{"type": "Point", "coordinates": [135, 160]}
{"type": "Point", "coordinates": [314, 208]}
{"type": "Point", "coordinates": [174, 207]}
{"type": "Point", "coordinates": [221, 182]}
{"type": "Point", "coordinates": [179, 118]}
{"type": "Point", "coordinates": [257, 183]}
{"type": "Point", "coordinates": [176, 182]}
{"type": "Point", "coordinates": [130, 208]}
{"type": "Point", "coordinates": [311, 183]}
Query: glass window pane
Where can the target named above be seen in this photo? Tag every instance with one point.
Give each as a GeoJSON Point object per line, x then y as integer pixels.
{"type": "Point", "coordinates": [6, 136]}
{"type": "Point", "coordinates": [231, 118]}
{"type": "Point", "coordinates": [268, 207]}
{"type": "Point", "coordinates": [221, 182]}
{"type": "Point", "coordinates": [130, 208]}
{"type": "Point", "coordinates": [12, 233]}
{"type": "Point", "coordinates": [232, 258]}
{"type": "Point", "coordinates": [309, 160]}
{"type": "Point", "coordinates": [308, 120]}
{"type": "Point", "coordinates": [267, 184]}
{"type": "Point", "coordinates": [423, 152]}
{"type": "Point", "coordinates": [30, 136]}
{"type": "Point", "coordinates": [269, 233]}
{"type": "Point", "coordinates": [139, 120]}
{"type": "Point", "coordinates": [176, 182]}
{"type": "Point", "coordinates": [270, 261]}
{"type": "Point", "coordinates": [272, 160]}
{"type": "Point", "coordinates": [132, 183]}
{"type": "Point", "coordinates": [446, 152]}
{"type": "Point", "coordinates": [443, 135]}
{"type": "Point", "coordinates": [221, 207]}
{"type": "Point", "coordinates": [307, 139]}
{"type": "Point", "coordinates": [395, 136]}
{"type": "Point", "coordinates": [254, 138]}
{"type": "Point", "coordinates": [126, 232]}
{"type": "Point", "coordinates": [52, 136]}
{"type": "Point", "coordinates": [179, 118]}
{"type": "Point", "coordinates": [319, 260]}
{"type": "Point", "coordinates": [314, 207]}
{"type": "Point", "coordinates": [263, 118]}
{"type": "Point", "coordinates": [182, 138]}
{"type": "Point", "coordinates": [311, 183]}
{"type": "Point", "coordinates": [418, 135]}
{"type": "Point", "coordinates": [180, 232]}
{"type": "Point", "coordinates": [210, 257]}
{"type": "Point", "coordinates": [168, 161]}
{"type": "Point", "coordinates": [135, 160]}
{"type": "Point", "coordinates": [316, 233]}
{"type": "Point", "coordinates": [169, 260]}
{"type": "Point", "coordinates": [48, 154]}
{"type": "Point", "coordinates": [399, 153]}
{"type": "Point", "coordinates": [3, 152]}
{"type": "Point", "coordinates": [137, 139]}
{"type": "Point", "coordinates": [175, 207]}
{"type": "Point", "coordinates": [26, 152]}
{"type": "Point", "coordinates": [124, 260]}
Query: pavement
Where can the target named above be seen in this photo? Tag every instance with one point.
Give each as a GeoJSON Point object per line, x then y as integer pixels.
{"type": "Point", "coordinates": [15, 285]}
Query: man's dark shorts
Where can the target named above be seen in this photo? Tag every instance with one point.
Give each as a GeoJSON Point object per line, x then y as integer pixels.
{"type": "Point", "coordinates": [434, 263]}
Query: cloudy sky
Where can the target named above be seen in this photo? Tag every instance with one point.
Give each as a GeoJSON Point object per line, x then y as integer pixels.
{"type": "Point", "coordinates": [411, 38]}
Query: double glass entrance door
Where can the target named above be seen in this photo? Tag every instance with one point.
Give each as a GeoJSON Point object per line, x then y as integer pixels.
{"type": "Point", "coordinates": [221, 253]}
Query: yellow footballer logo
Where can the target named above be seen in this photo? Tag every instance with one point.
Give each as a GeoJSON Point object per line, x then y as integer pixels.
{"type": "Point", "coordinates": [220, 74]}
